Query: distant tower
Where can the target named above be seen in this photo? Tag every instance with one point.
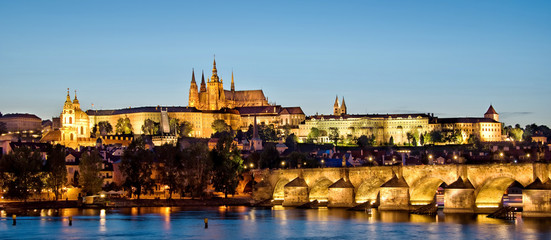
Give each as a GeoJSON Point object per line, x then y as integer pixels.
{"type": "Point", "coordinates": [256, 141]}
{"type": "Point", "coordinates": [336, 109]}
{"type": "Point", "coordinates": [203, 86]}
{"type": "Point", "coordinates": [343, 107]}
{"type": "Point", "coordinates": [76, 103]}
{"type": "Point", "coordinates": [492, 114]}
{"type": "Point", "coordinates": [232, 84]}
{"type": "Point", "coordinates": [193, 93]}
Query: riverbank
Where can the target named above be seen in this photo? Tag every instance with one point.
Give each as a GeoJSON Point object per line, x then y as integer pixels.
{"type": "Point", "coordinates": [121, 203]}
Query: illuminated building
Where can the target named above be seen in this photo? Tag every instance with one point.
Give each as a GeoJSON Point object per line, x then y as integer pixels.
{"type": "Point", "coordinates": [207, 104]}
{"type": "Point", "coordinates": [398, 126]}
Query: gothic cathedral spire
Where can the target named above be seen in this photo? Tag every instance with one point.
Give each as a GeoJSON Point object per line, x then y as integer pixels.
{"type": "Point", "coordinates": [336, 110]}
{"type": "Point", "coordinates": [193, 94]}
{"type": "Point", "coordinates": [203, 86]}
{"type": "Point", "coordinates": [232, 84]}
{"type": "Point", "coordinates": [343, 107]}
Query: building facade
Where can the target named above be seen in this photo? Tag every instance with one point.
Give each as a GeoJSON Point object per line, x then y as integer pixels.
{"type": "Point", "coordinates": [208, 103]}
{"type": "Point", "coordinates": [399, 128]}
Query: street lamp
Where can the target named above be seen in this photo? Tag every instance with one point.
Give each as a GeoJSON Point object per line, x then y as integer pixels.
{"type": "Point", "coordinates": [282, 163]}
{"type": "Point", "coordinates": [251, 165]}
{"type": "Point", "coordinates": [322, 163]}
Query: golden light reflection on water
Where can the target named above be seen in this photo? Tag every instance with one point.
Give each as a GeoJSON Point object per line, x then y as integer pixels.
{"type": "Point", "coordinates": [102, 221]}
{"type": "Point", "coordinates": [165, 212]}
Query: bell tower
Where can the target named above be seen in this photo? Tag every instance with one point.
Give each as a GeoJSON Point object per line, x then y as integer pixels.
{"type": "Point", "coordinates": [215, 90]}
{"type": "Point", "coordinates": [336, 109]}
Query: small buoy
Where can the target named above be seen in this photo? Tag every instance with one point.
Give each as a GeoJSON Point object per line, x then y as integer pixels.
{"type": "Point", "coordinates": [70, 221]}
{"type": "Point", "coordinates": [206, 223]}
{"type": "Point", "coordinates": [14, 217]}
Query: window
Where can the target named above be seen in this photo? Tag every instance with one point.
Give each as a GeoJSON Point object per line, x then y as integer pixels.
{"type": "Point", "coordinates": [70, 121]}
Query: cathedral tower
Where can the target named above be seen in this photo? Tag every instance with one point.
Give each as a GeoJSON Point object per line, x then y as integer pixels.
{"type": "Point", "coordinates": [343, 107]}
{"type": "Point", "coordinates": [215, 90]}
{"type": "Point", "coordinates": [336, 110]}
{"type": "Point", "coordinates": [193, 94]}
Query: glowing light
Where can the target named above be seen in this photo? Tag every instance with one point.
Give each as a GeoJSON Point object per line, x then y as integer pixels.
{"type": "Point", "coordinates": [370, 159]}
{"type": "Point", "coordinates": [102, 195]}
{"type": "Point", "coordinates": [487, 205]}
{"type": "Point", "coordinates": [282, 163]}
{"type": "Point", "coordinates": [430, 156]}
{"type": "Point", "coordinates": [501, 154]}
{"type": "Point", "coordinates": [252, 165]}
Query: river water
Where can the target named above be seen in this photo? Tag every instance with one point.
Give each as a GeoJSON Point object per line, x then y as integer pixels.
{"type": "Point", "coordinates": [260, 223]}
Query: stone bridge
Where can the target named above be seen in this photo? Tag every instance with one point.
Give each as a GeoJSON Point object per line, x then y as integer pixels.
{"type": "Point", "coordinates": [470, 188]}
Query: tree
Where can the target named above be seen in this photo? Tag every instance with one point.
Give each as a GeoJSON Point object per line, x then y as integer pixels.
{"type": "Point", "coordinates": [334, 135]}
{"type": "Point", "coordinates": [219, 125]}
{"type": "Point", "coordinates": [185, 129]}
{"type": "Point", "coordinates": [364, 141]}
{"type": "Point", "coordinates": [269, 158]}
{"type": "Point", "coordinates": [105, 127]}
{"type": "Point", "coordinates": [227, 165]}
{"type": "Point", "coordinates": [90, 167]}
{"type": "Point", "coordinates": [3, 128]}
{"type": "Point", "coordinates": [21, 171]}
{"type": "Point", "coordinates": [313, 135]}
{"type": "Point", "coordinates": [123, 126]}
{"type": "Point", "coordinates": [198, 169]}
{"type": "Point", "coordinates": [516, 133]}
{"type": "Point", "coordinates": [136, 167]}
{"type": "Point", "coordinates": [291, 141]}
{"type": "Point", "coordinates": [174, 125]}
{"type": "Point", "coordinates": [171, 170]}
{"type": "Point", "coordinates": [150, 127]}
{"type": "Point", "coordinates": [436, 136]}
{"type": "Point", "coordinates": [427, 138]}
{"type": "Point", "coordinates": [265, 132]}
{"type": "Point", "coordinates": [56, 169]}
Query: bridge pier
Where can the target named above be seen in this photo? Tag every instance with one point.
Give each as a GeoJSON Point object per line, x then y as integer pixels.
{"type": "Point", "coordinates": [295, 193]}
{"type": "Point", "coordinates": [341, 194]}
{"type": "Point", "coordinates": [536, 199]}
{"type": "Point", "coordinates": [262, 191]}
{"type": "Point", "coordinates": [394, 194]}
{"type": "Point", "coordinates": [459, 197]}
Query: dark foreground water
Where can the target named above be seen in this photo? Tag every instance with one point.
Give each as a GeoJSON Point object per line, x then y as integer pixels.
{"type": "Point", "coordinates": [261, 223]}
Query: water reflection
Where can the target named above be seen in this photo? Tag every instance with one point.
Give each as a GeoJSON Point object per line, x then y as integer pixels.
{"type": "Point", "coordinates": [253, 223]}
{"type": "Point", "coordinates": [102, 227]}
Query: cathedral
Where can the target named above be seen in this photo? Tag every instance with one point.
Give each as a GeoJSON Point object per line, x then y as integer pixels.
{"type": "Point", "coordinates": [212, 96]}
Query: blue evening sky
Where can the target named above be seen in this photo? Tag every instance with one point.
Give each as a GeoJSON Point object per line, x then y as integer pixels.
{"type": "Point", "coordinates": [450, 58]}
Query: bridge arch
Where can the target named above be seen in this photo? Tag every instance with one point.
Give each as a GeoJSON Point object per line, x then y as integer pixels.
{"type": "Point", "coordinates": [489, 194]}
{"type": "Point", "coordinates": [320, 190]}
{"type": "Point", "coordinates": [369, 189]}
{"type": "Point", "coordinates": [279, 189]}
{"type": "Point", "coordinates": [422, 192]}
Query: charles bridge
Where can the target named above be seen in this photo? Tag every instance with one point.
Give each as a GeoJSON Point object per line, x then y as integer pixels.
{"type": "Point", "coordinates": [469, 188]}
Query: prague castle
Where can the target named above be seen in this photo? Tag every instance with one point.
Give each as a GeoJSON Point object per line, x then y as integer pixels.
{"type": "Point", "coordinates": [240, 109]}
{"type": "Point", "coordinates": [208, 103]}
{"type": "Point", "coordinates": [383, 127]}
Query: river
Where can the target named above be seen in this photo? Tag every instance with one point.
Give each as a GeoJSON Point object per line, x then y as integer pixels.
{"type": "Point", "coordinates": [260, 223]}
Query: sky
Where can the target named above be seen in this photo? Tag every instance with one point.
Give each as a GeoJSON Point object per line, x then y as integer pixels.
{"type": "Point", "coordinates": [450, 58]}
